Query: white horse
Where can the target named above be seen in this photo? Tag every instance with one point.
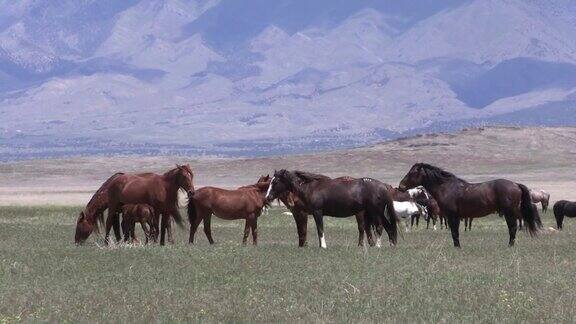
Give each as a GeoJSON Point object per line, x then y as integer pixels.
{"type": "Point", "coordinates": [414, 192]}
{"type": "Point", "coordinates": [407, 209]}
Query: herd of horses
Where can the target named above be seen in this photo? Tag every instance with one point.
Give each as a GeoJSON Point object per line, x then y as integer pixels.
{"type": "Point", "coordinates": [426, 190]}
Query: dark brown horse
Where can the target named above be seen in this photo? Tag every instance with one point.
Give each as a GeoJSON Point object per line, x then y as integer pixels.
{"type": "Point", "coordinates": [243, 203]}
{"type": "Point", "coordinates": [564, 208]}
{"type": "Point", "coordinates": [321, 196]}
{"type": "Point", "coordinates": [298, 211]}
{"type": "Point", "coordinates": [138, 213]}
{"type": "Point", "coordinates": [158, 191]}
{"type": "Point", "coordinates": [460, 199]}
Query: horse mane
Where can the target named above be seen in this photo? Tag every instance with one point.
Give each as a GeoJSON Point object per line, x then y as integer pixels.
{"type": "Point", "coordinates": [307, 177]}
{"type": "Point", "coordinates": [96, 201]}
{"type": "Point", "coordinates": [438, 174]}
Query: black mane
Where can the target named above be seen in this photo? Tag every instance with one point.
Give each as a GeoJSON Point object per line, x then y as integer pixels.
{"type": "Point", "coordinates": [309, 177]}
{"type": "Point", "coordinates": [437, 174]}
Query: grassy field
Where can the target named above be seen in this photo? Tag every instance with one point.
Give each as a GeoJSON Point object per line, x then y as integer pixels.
{"type": "Point", "coordinates": [44, 277]}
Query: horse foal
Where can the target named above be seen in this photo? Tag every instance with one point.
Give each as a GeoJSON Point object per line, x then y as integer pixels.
{"type": "Point", "coordinates": [138, 213]}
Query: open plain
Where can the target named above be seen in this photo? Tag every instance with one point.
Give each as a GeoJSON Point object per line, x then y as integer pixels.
{"type": "Point", "coordinates": [45, 277]}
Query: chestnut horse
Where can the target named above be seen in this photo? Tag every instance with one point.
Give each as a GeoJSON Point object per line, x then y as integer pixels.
{"type": "Point", "coordinates": [243, 203]}
{"type": "Point", "coordinates": [93, 214]}
{"type": "Point", "coordinates": [139, 213]}
{"type": "Point", "coordinates": [460, 199]}
{"type": "Point", "coordinates": [321, 196]}
{"type": "Point", "coordinates": [298, 211]}
{"type": "Point", "coordinates": [564, 208]}
{"type": "Point", "coordinates": [158, 191]}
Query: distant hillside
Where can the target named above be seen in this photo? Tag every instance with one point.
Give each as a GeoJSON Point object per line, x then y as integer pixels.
{"type": "Point", "coordinates": [253, 77]}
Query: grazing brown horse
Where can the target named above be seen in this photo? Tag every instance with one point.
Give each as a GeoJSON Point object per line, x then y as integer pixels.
{"type": "Point", "coordinates": [321, 196]}
{"type": "Point", "coordinates": [298, 211]}
{"type": "Point", "coordinates": [243, 203]}
{"type": "Point", "coordinates": [158, 191]}
{"type": "Point", "coordinates": [460, 199]}
{"type": "Point", "coordinates": [564, 208]}
{"type": "Point", "coordinates": [540, 196]}
{"type": "Point", "coordinates": [93, 214]}
{"type": "Point", "coordinates": [138, 213]}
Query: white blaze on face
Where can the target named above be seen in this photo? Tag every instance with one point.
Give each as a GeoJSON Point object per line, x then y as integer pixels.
{"type": "Point", "coordinates": [270, 187]}
{"type": "Point", "coordinates": [322, 241]}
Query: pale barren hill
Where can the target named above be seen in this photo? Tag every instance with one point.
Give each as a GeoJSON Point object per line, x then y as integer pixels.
{"type": "Point", "coordinates": [539, 157]}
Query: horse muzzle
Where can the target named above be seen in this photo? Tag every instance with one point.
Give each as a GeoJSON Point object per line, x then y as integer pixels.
{"type": "Point", "coordinates": [191, 194]}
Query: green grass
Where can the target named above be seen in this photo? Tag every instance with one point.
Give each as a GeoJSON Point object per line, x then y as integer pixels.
{"type": "Point", "coordinates": [44, 277]}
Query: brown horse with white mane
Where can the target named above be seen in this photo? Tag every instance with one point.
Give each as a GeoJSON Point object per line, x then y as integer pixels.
{"type": "Point", "coordinates": [460, 199]}
{"type": "Point", "coordinates": [157, 190]}
{"type": "Point", "coordinates": [245, 202]}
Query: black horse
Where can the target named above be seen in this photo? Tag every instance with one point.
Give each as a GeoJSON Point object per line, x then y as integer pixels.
{"type": "Point", "coordinates": [564, 208]}
{"type": "Point", "coordinates": [321, 196]}
{"type": "Point", "coordinates": [460, 199]}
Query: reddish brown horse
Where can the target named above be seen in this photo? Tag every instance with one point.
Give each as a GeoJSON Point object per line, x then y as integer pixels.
{"type": "Point", "coordinates": [138, 213]}
{"type": "Point", "coordinates": [158, 191]}
{"type": "Point", "coordinates": [460, 199]}
{"type": "Point", "coordinates": [243, 203]}
{"type": "Point", "coordinates": [298, 210]}
{"type": "Point", "coordinates": [93, 215]}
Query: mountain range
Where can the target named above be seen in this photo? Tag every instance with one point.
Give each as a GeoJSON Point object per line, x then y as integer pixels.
{"type": "Point", "coordinates": [257, 77]}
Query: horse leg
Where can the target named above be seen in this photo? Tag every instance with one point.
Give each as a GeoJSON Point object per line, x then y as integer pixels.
{"type": "Point", "coordinates": [146, 232]}
{"type": "Point", "coordinates": [254, 226]}
{"type": "Point", "coordinates": [208, 228]}
{"type": "Point", "coordinates": [320, 228]}
{"type": "Point", "coordinates": [163, 227]}
{"type": "Point", "coordinates": [116, 227]}
{"type": "Point", "coordinates": [112, 217]}
{"type": "Point", "coordinates": [470, 224]}
{"type": "Point", "coordinates": [512, 226]}
{"type": "Point", "coordinates": [194, 226]}
{"type": "Point", "coordinates": [360, 222]}
{"type": "Point", "coordinates": [246, 232]}
{"type": "Point", "coordinates": [125, 228]}
{"type": "Point", "coordinates": [454, 222]}
{"type": "Point", "coordinates": [301, 220]}
{"type": "Point", "coordinates": [169, 229]}
{"type": "Point", "coordinates": [520, 223]}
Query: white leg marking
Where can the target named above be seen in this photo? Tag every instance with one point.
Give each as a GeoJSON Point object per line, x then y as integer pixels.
{"type": "Point", "coordinates": [378, 242]}
{"type": "Point", "coordinates": [434, 226]}
{"type": "Point", "coordinates": [322, 242]}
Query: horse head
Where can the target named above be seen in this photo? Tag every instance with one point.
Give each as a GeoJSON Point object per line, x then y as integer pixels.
{"type": "Point", "coordinates": [185, 178]}
{"type": "Point", "coordinates": [414, 177]}
{"type": "Point", "coordinates": [281, 182]}
{"type": "Point", "coordinates": [83, 228]}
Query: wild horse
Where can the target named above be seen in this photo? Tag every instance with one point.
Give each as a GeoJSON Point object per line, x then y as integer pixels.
{"type": "Point", "coordinates": [158, 191]}
{"type": "Point", "coordinates": [243, 203]}
{"type": "Point", "coordinates": [460, 199]}
{"type": "Point", "coordinates": [298, 211]}
{"type": "Point", "coordinates": [564, 208]}
{"type": "Point", "coordinates": [321, 196]}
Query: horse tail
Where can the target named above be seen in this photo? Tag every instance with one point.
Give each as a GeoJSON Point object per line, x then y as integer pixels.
{"type": "Point", "coordinates": [529, 214]}
{"type": "Point", "coordinates": [391, 217]}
